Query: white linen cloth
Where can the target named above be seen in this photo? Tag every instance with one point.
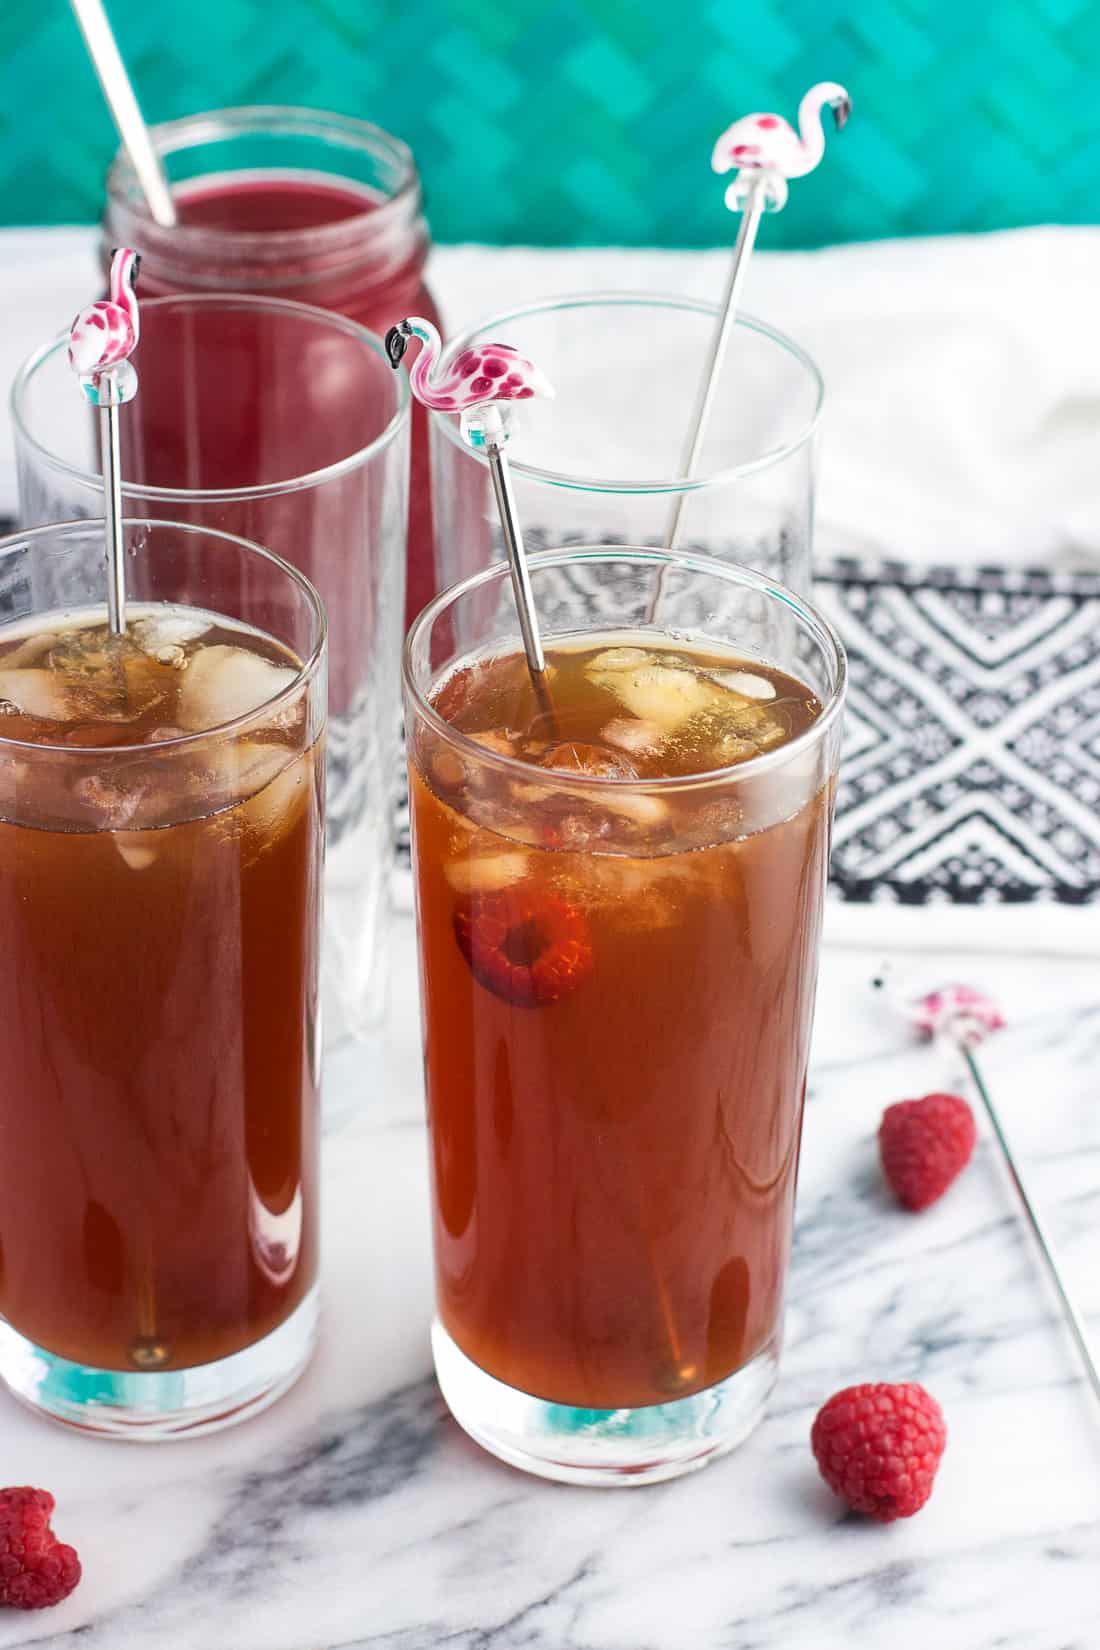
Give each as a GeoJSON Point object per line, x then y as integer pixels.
{"type": "Point", "coordinates": [962, 418]}
{"type": "Point", "coordinates": [963, 376]}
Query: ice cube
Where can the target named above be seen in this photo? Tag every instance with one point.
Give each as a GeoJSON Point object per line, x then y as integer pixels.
{"type": "Point", "coordinates": [769, 733]}
{"type": "Point", "coordinates": [636, 806]}
{"type": "Point", "coordinates": [501, 744]}
{"type": "Point", "coordinates": [114, 806]}
{"type": "Point", "coordinates": [169, 629]}
{"type": "Point", "coordinates": [578, 833]}
{"type": "Point", "coordinates": [744, 682]}
{"type": "Point", "coordinates": [620, 658]}
{"type": "Point", "coordinates": [448, 770]}
{"type": "Point", "coordinates": [733, 748]}
{"type": "Point", "coordinates": [223, 682]}
{"type": "Point", "coordinates": [138, 848]}
{"type": "Point", "coordinates": [486, 867]}
{"type": "Point", "coordinates": [272, 809]}
{"type": "Point", "coordinates": [665, 695]}
{"type": "Point", "coordinates": [633, 735]}
{"type": "Point", "coordinates": [580, 756]}
{"type": "Point", "coordinates": [29, 651]}
{"type": "Point", "coordinates": [35, 693]}
{"type": "Point", "coordinates": [644, 892]}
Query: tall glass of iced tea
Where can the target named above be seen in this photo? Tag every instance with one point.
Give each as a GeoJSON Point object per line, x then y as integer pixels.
{"type": "Point", "coordinates": [160, 863]}
{"type": "Point", "coordinates": [619, 903]}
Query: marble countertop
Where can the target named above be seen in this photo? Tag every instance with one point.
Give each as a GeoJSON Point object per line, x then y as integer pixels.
{"type": "Point", "coordinates": [355, 1514]}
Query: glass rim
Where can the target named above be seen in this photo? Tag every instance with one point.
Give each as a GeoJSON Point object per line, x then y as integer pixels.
{"type": "Point", "coordinates": [449, 425]}
{"type": "Point", "coordinates": [305, 672]}
{"type": "Point", "coordinates": [208, 126]}
{"type": "Point", "coordinates": [266, 489]}
{"type": "Point", "coordinates": [710, 566]}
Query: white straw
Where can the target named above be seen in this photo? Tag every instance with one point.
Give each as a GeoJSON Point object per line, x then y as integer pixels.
{"type": "Point", "coordinates": [119, 93]}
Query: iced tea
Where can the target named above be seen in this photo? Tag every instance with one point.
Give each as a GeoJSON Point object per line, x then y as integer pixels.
{"type": "Point", "coordinates": [618, 929]}
{"type": "Point", "coordinates": [158, 902]}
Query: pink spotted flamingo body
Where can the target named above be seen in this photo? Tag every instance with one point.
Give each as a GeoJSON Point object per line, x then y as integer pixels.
{"type": "Point", "coordinates": [960, 1010]}
{"type": "Point", "coordinates": [106, 332]}
{"type": "Point", "coordinates": [769, 144]}
{"type": "Point", "coordinates": [481, 373]}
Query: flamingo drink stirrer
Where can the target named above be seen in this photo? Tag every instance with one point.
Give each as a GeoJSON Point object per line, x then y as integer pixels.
{"type": "Point", "coordinates": [763, 151]}
{"type": "Point", "coordinates": [965, 1016]}
{"type": "Point", "coordinates": [101, 341]}
{"type": "Point", "coordinates": [481, 385]}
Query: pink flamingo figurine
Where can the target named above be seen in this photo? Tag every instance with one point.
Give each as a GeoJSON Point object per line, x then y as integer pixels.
{"type": "Point", "coordinates": [106, 332]}
{"type": "Point", "coordinates": [768, 143]}
{"type": "Point", "coordinates": [958, 1010]}
{"type": "Point", "coordinates": [484, 372]}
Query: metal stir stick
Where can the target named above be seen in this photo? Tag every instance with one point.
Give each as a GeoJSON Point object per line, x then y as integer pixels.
{"type": "Point", "coordinates": [487, 428]}
{"type": "Point", "coordinates": [1072, 1313]}
{"type": "Point", "coordinates": [483, 386]}
{"type": "Point", "coordinates": [101, 341]}
{"type": "Point", "coordinates": [754, 207]}
{"type": "Point", "coordinates": [763, 151]}
{"type": "Point", "coordinates": [965, 1016]}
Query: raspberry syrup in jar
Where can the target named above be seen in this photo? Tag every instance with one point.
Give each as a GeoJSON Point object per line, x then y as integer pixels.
{"type": "Point", "coordinates": [298, 204]}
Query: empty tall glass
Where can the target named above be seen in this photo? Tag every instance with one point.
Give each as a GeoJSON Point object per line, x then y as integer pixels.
{"type": "Point", "coordinates": [601, 462]}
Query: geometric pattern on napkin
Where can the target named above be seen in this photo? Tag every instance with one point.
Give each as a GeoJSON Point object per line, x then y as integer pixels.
{"type": "Point", "coordinates": [971, 768]}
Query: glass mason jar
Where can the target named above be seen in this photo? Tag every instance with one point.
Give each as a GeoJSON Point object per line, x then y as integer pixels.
{"type": "Point", "coordinates": [291, 203]}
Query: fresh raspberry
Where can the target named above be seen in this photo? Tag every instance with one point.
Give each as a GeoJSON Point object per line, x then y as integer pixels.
{"type": "Point", "coordinates": [878, 1446]}
{"type": "Point", "coordinates": [36, 1569]}
{"type": "Point", "coordinates": [527, 947]}
{"type": "Point", "coordinates": [924, 1144]}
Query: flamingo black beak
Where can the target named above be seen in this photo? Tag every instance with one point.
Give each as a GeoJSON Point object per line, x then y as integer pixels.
{"type": "Point", "coordinates": [397, 342]}
{"type": "Point", "coordinates": [842, 108]}
{"type": "Point", "coordinates": [135, 270]}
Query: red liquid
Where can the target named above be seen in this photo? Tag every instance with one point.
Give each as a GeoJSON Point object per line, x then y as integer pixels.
{"type": "Point", "coordinates": [264, 207]}
{"type": "Point", "coordinates": [376, 280]}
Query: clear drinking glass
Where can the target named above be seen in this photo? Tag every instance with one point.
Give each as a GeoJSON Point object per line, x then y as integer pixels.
{"type": "Point", "coordinates": [285, 425]}
{"type": "Point", "coordinates": [160, 901]}
{"type": "Point", "coordinates": [600, 464]}
{"type": "Point", "coordinates": [615, 1139]}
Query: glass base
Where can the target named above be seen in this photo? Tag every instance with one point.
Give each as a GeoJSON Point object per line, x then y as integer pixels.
{"type": "Point", "coordinates": [603, 1446]}
{"type": "Point", "coordinates": [180, 1403]}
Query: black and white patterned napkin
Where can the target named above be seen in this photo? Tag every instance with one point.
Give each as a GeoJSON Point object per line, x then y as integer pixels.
{"type": "Point", "coordinates": [971, 769]}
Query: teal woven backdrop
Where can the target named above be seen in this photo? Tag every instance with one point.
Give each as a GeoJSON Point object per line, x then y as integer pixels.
{"type": "Point", "coordinates": [591, 121]}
